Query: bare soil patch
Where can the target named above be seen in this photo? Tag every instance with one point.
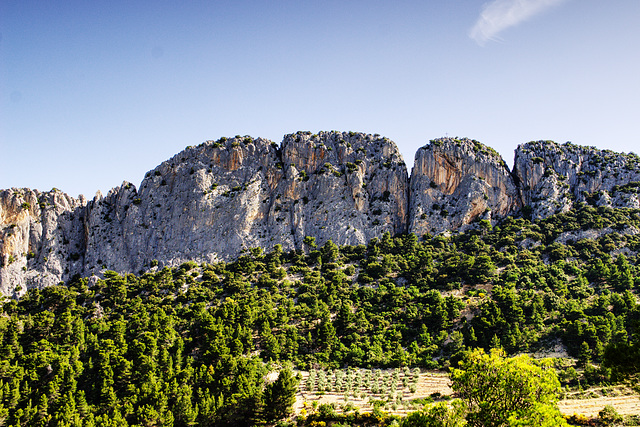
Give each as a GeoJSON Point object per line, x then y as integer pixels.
{"type": "Point", "coordinates": [591, 401]}
{"type": "Point", "coordinates": [365, 387]}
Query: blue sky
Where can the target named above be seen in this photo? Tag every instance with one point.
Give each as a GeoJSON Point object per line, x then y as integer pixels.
{"type": "Point", "coordinates": [94, 92]}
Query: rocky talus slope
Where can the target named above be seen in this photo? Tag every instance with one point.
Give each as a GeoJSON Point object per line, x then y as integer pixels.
{"type": "Point", "coordinates": [212, 201]}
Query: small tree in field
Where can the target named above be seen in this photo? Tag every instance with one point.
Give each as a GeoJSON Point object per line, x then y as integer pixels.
{"type": "Point", "coordinates": [280, 396]}
{"type": "Point", "coordinates": [437, 415]}
{"type": "Point", "coordinates": [499, 391]}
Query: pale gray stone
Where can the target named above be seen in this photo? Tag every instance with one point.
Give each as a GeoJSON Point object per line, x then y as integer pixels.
{"type": "Point", "coordinates": [212, 201]}
{"type": "Point", "coordinates": [456, 182]}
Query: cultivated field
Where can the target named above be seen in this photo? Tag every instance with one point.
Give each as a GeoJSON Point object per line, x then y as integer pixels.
{"type": "Point", "coordinates": [394, 389]}
{"type": "Point", "coordinates": [400, 391]}
{"type": "Point", "coordinates": [591, 401]}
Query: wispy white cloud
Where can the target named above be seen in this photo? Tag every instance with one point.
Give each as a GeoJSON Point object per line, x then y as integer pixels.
{"type": "Point", "coordinates": [501, 14]}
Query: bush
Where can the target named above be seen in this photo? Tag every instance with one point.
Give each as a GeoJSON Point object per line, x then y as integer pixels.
{"type": "Point", "coordinates": [501, 391]}
{"type": "Point", "coordinates": [609, 416]}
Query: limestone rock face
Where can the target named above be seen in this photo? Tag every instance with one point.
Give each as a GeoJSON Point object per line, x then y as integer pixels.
{"type": "Point", "coordinates": [344, 187]}
{"type": "Point", "coordinates": [456, 181]}
{"type": "Point", "coordinates": [553, 177]}
{"type": "Point", "coordinates": [41, 239]}
{"type": "Point", "coordinates": [212, 201]}
{"type": "Point", "coordinates": [209, 203]}
{"type": "Point", "coordinates": [206, 203]}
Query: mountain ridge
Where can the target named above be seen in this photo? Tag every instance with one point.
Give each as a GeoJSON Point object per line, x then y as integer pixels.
{"type": "Point", "coordinates": [209, 202]}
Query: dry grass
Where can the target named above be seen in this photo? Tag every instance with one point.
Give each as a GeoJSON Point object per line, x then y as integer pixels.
{"type": "Point", "coordinates": [433, 383]}
{"type": "Point", "coordinates": [590, 402]}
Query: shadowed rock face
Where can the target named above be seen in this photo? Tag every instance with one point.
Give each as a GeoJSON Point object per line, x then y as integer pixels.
{"type": "Point", "coordinates": [41, 238]}
{"type": "Point", "coordinates": [212, 201]}
{"type": "Point", "coordinates": [455, 182]}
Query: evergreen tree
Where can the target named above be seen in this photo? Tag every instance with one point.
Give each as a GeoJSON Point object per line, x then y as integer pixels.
{"type": "Point", "coordinates": [279, 396]}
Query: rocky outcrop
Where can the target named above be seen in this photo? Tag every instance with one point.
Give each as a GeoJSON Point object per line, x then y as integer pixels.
{"type": "Point", "coordinates": [206, 203]}
{"type": "Point", "coordinates": [458, 181]}
{"type": "Point", "coordinates": [41, 239]}
{"type": "Point", "coordinates": [344, 187]}
{"type": "Point", "coordinates": [212, 201]}
{"type": "Point", "coordinates": [209, 203]}
{"type": "Point", "coordinates": [554, 176]}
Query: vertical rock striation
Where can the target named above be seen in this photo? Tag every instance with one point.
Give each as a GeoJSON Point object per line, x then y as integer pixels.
{"type": "Point", "coordinates": [41, 239]}
{"type": "Point", "coordinates": [206, 203]}
{"type": "Point", "coordinates": [212, 201]}
{"type": "Point", "coordinates": [344, 187]}
{"type": "Point", "coordinates": [456, 181]}
{"type": "Point", "coordinates": [209, 203]}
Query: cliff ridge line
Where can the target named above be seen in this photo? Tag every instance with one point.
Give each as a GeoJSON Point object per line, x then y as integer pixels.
{"type": "Point", "coordinates": [212, 201]}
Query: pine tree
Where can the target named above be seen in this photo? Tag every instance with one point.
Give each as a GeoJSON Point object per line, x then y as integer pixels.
{"type": "Point", "coordinates": [279, 396]}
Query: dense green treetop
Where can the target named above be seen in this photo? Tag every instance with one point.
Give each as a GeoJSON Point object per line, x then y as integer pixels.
{"type": "Point", "coordinates": [194, 345]}
{"type": "Point", "coordinates": [500, 392]}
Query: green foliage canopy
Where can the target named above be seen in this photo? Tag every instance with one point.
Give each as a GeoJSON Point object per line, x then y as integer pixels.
{"type": "Point", "coordinates": [500, 391]}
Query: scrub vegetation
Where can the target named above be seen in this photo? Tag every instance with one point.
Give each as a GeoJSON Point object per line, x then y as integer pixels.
{"type": "Point", "coordinates": [220, 344]}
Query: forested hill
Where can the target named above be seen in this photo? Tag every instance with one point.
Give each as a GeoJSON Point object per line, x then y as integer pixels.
{"type": "Point", "coordinates": [190, 345]}
{"type": "Point", "coordinates": [212, 201]}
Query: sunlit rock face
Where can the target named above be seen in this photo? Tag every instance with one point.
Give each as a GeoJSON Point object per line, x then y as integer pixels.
{"type": "Point", "coordinates": [212, 201]}
{"type": "Point", "coordinates": [204, 204]}
{"type": "Point", "coordinates": [346, 187]}
{"type": "Point", "coordinates": [456, 182]}
{"type": "Point", "coordinates": [209, 203]}
{"type": "Point", "coordinates": [553, 177]}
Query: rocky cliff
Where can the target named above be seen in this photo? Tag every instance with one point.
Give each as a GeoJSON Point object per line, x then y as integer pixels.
{"type": "Point", "coordinates": [212, 201]}
{"type": "Point", "coordinates": [209, 203]}
{"type": "Point", "coordinates": [456, 181]}
{"type": "Point", "coordinates": [41, 238]}
{"type": "Point", "coordinates": [554, 176]}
